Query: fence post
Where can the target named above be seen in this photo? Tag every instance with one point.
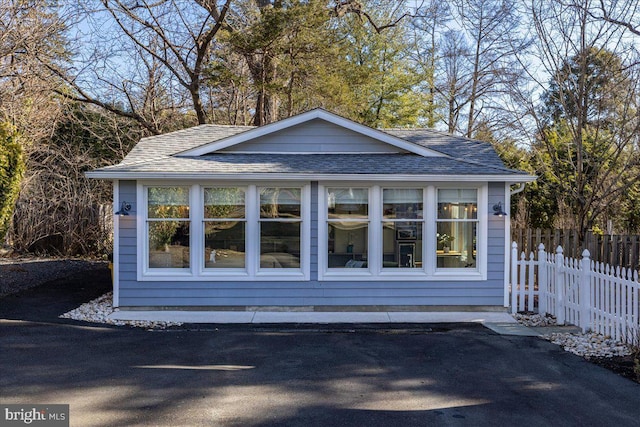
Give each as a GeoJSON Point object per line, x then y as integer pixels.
{"type": "Point", "coordinates": [514, 277]}
{"type": "Point", "coordinates": [542, 280]}
{"type": "Point", "coordinates": [559, 272]}
{"type": "Point", "coordinates": [585, 291]}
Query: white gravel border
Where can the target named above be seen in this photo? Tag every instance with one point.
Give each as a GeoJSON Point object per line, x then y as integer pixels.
{"type": "Point", "coordinates": [583, 344]}
{"type": "Point", "coordinates": [99, 309]}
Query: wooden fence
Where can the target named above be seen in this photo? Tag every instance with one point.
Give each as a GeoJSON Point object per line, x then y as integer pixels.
{"type": "Point", "coordinates": [582, 292]}
{"type": "Point", "coordinates": [616, 250]}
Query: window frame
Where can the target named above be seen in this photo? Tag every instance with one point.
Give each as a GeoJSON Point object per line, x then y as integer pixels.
{"type": "Point", "coordinates": [230, 272]}
{"type": "Point", "coordinates": [429, 270]}
{"type": "Point", "coordinates": [269, 272]}
{"type": "Point", "coordinates": [385, 271]}
{"type": "Point", "coordinates": [143, 234]}
{"type": "Point", "coordinates": [482, 233]}
{"type": "Point", "coordinates": [197, 270]}
{"type": "Point", "coordinates": [323, 230]}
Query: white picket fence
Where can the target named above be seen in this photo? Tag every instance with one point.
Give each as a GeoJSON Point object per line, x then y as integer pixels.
{"type": "Point", "coordinates": [592, 295]}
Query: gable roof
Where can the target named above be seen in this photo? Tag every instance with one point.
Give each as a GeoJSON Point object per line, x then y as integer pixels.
{"type": "Point", "coordinates": [199, 152]}
{"type": "Point", "coordinates": [315, 114]}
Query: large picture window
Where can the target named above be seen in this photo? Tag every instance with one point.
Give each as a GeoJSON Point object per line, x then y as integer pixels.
{"type": "Point", "coordinates": [365, 232]}
{"type": "Point", "coordinates": [401, 232]}
{"type": "Point", "coordinates": [168, 227]}
{"type": "Point", "coordinates": [224, 228]}
{"type": "Point", "coordinates": [217, 232]}
{"type": "Point", "coordinates": [347, 227]}
{"type": "Point", "coordinates": [457, 228]}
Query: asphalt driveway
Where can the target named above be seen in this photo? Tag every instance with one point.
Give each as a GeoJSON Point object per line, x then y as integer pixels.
{"type": "Point", "coordinates": [440, 374]}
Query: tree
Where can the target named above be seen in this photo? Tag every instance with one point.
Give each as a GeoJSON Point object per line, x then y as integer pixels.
{"type": "Point", "coordinates": [31, 39]}
{"type": "Point", "coordinates": [60, 210]}
{"type": "Point", "coordinates": [151, 56]}
{"type": "Point", "coordinates": [380, 76]}
{"type": "Point", "coordinates": [588, 124]}
{"type": "Point", "coordinates": [279, 43]}
{"type": "Point", "coordinates": [492, 28]}
{"type": "Point", "coordinates": [428, 25]}
{"type": "Point", "coordinates": [11, 170]}
{"type": "Point", "coordinates": [623, 13]}
{"type": "Point", "coordinates": [453, 85]}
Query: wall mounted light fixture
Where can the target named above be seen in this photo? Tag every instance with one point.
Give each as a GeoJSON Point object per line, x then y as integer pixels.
{"type": "Point", "coordinates": [497, 210]}
{"type": "Point", "coordinates": [125, 207]}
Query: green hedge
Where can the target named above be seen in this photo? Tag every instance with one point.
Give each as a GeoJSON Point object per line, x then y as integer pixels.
{"type": "Point", "coordinates": [11, 170]}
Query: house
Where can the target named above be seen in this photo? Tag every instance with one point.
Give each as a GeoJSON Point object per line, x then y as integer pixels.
{"type": "Point", "coordinates": [314, 211]}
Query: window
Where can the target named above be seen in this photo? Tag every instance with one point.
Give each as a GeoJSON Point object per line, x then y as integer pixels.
{"type": "Point", "coordinates": [347, 227]}
{"type": "Point", "coordinates": [394, 232]}
{"type": "Point", "coordinates": [402, 224]}
{"type": "Point", "coordinates": [280, 227]}
{"type": "Point", "coordinates": [224, 228]}
{"type": "Point", "coordinates": [457, 228]}
{"type": "Point", "coordinates": [240, 232]}
{"type": "Point", "coordinates": [168, 227]}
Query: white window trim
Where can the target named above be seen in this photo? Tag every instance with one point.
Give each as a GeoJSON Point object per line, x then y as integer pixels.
{"type": "Point", "coordinates": [480, 272]}
{"type": "Point", "coordinates": [304, 272]}
{"type": "Point", "coordinates": [231, 273]}
{"type": "Point", "coordinates": [196, 272]}
{"type": "Point", "coordinates": [428, 272]}
{"type": "Point", "coordinates": [405, 272]}
{"type": "Point", "coordinates": [144, 272]}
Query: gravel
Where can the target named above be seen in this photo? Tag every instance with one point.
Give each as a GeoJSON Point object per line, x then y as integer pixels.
{"type": "Point", "coordinates": [586, 345]}
{"type": "Point", "coordinates": [99, 309]}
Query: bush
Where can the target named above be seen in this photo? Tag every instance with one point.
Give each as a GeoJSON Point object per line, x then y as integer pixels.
{"type": "Point", "coordinates": [11, 170]}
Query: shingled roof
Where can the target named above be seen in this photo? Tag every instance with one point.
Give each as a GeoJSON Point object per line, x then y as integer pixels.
{"type": "Point", "coordinates": [163, 156]}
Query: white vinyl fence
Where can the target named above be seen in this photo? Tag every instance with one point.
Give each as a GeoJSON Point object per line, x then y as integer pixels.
{"type": "Point", "coordinates": [592, 295]}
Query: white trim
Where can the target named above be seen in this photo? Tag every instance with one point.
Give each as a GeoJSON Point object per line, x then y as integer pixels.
{"type": "Point", "coordinates": [507, 240]}
{"type": "Point", "coordinates": [210, 176]}
{"type": "Point", "coordinates": [115, 262]}
{"type": "Point", "coordinates": [144, 272]}
{"type": "Point", "coordinates": [312, 153]}
{"type": "Point", "coordinates": [430, 214]}
{"type": "Point", "coordinates": [232, 273]}
{"type": "Point", "coordinates": [482, 221]}
{"type": "Point", "coordinates": [306, 117]}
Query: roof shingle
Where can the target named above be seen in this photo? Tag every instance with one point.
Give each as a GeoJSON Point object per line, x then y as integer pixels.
{"type": "Point", "coordinates": [158, 155]}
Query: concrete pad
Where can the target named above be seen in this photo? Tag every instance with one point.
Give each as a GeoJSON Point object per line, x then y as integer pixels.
{"type": "Point", "coordinates": [320, 317]}
{"type": "Point", "coordinates": [450, 317]}
{"type": "Point", "coordinates": [511, 329]}
{"type": "Point", "coordinates": [185, 316]}
{"type": "Point", "coordinates": [239, 317]}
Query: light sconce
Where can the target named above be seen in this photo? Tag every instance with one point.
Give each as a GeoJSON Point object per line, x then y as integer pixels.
{"type": "Point", "coordinates": [497, 210]}
{"type": "Point", "coordinates": [125, 207]}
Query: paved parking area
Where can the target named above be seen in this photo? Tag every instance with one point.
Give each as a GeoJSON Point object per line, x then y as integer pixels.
{"type": "Point", "coordinates": [259, 375]}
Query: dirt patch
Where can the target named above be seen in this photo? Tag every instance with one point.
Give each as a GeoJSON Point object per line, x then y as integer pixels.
{"type": "Point", "coordinates": [622, 365]}
{"type": "Point", "coordinates": [18, 274]}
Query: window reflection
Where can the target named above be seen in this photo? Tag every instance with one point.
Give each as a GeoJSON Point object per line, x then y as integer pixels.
{"type": "Point", "coordinates": [457, 228]}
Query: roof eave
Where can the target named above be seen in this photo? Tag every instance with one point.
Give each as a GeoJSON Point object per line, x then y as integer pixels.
{"type": "Point", "coordinates": [118, 175]}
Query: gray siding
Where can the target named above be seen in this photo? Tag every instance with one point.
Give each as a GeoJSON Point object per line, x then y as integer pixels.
{"type": "Point", "coordinates": [128, 236]}
{"type": "Point", "coordinates": [316, 136]}
{"type": "Point", "coordinates": [313, 292]}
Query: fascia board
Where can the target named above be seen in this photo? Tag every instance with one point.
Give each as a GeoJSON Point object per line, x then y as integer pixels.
{"type": "Point", "coordinates": [307, 177]}
{"type": "Point", "coordinates": [305, 117]}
